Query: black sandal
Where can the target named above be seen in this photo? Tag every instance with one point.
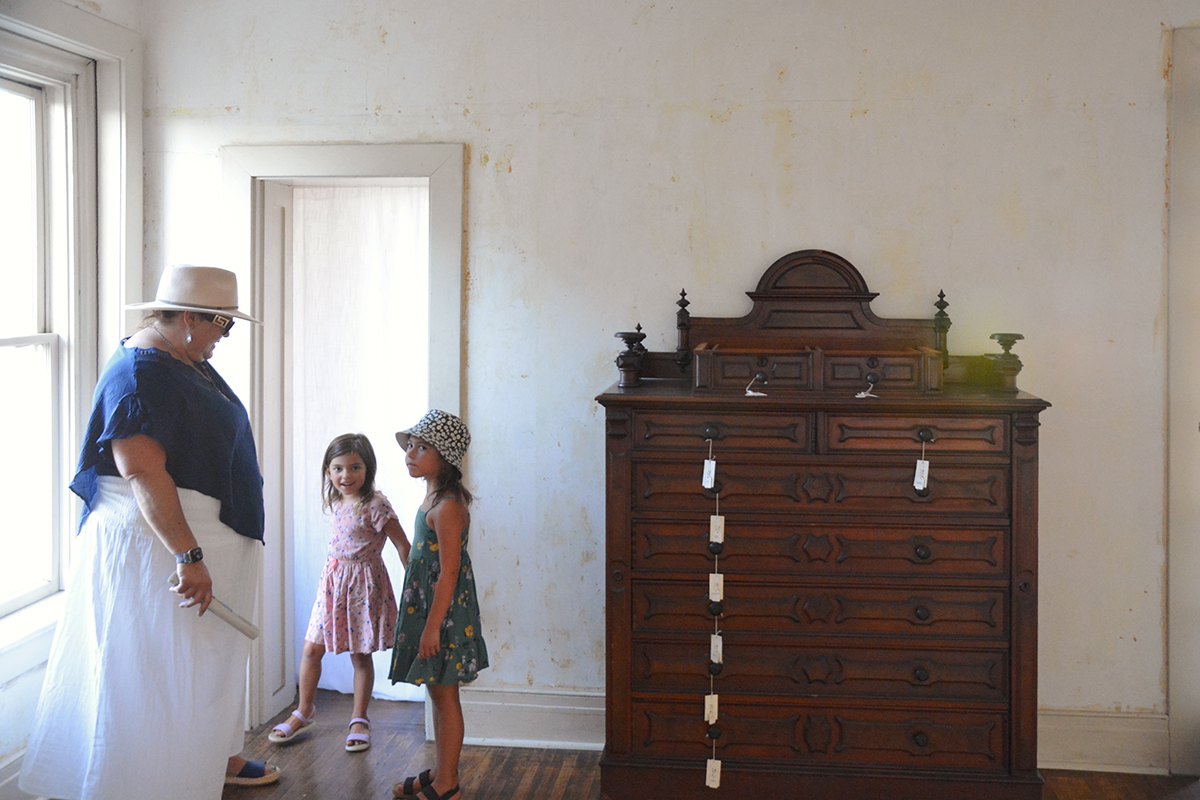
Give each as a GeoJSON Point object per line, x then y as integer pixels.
{"type": "Point", "coordinates": [431, 794]}
{"type": "Point", "coordinates": [412, 786]}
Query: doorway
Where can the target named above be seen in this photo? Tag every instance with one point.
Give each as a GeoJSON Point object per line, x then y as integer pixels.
{"type": "Point", "coordinates": [284, 356]}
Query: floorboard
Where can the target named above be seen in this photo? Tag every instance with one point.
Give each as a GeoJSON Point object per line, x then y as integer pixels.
{"type": "Point", "coordinates": [316, 767]}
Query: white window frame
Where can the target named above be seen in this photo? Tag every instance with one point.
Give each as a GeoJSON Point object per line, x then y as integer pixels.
{"type": "Point", "coordinates": [103, 241]}
{"type": "Point", "coordinates": [62, 87]}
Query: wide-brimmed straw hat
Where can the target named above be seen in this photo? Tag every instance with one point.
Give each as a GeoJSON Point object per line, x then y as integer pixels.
{"type": "Point", "coordinates": [444, 431]}
{"type": "Point", "coordinates": [184, 287]}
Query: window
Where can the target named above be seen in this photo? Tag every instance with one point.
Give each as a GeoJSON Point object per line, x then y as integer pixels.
{"type": "Point", "coordinates": [47, 209]}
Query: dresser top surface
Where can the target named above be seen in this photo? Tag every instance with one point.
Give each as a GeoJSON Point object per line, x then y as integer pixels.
{"type": "Point", "coordinates": [675, 393]}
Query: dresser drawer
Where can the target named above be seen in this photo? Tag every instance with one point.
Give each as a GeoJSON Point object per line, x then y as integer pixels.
{"type": "Point", "coordinates": [799, 733]}
{"type": "Point", "coordinates": [773, 432]}
{"type": "Point", "coordinates": [821, 486]}
{"type": "Point", "coordinates": [852, 433]}
{"type": "Point", "coordinates": [678, 546]}
{"type": "Point", "coordinates": [912, 371]}
{"type": "Point", "coordinates": [759, 607]}
{"type": "Point", "coordinates": [718, 369]}
{"type": "Point", "coordinates": [752, 668]}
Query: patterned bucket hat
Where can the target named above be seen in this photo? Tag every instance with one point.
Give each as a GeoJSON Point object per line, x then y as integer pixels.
{"type": "Point", "coordinates": [444, 431]}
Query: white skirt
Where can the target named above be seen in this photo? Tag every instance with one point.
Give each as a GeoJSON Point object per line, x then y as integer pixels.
{"type": "Point", "coordinates": [143, 699]}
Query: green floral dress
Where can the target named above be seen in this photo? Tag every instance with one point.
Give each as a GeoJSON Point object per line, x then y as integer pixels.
{"type": "Point", "coordinates": [463, 651]}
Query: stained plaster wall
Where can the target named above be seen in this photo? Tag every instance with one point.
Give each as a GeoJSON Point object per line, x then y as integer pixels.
{"type": "Point", "coordinates": [1011, 154]}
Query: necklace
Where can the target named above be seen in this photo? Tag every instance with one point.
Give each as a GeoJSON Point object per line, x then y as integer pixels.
{"type": "Point", "coordinates": [182, 357]}
{"type": "Point", "coordinates": [196, 367]}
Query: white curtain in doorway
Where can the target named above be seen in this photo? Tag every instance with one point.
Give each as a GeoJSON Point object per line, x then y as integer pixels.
{"type": "Point", "coordinates": [361, 299]}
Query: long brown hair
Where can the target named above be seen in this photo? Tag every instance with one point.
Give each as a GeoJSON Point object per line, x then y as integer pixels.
{"type": "Point", "coordinates": [348, 444]}
{"type": "Point", "coordinates": [450, 484]}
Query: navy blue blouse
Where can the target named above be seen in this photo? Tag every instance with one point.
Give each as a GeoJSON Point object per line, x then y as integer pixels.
{"type": "Point", "coordinates": [202, 426]}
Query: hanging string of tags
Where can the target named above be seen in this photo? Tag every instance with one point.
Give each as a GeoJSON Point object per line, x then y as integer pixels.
{"type": "Point", "coordinates": [716, 599]}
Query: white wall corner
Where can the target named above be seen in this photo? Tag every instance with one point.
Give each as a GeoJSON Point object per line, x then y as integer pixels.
{"type": "Point", "coordinates": [1104, 742]}
{"type": "Point", "coordinates": [521, 718]}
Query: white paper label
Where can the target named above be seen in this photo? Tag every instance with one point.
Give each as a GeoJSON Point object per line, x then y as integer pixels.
{"type": "Point", "coordinates": [921, 478]}
{"type": "Point", "coordinates": [716, 586]}
{"type": "Point", "coordinates": [716, 528]}
{"type": "Point", "coordinates": [710, 709]}
{"type": "Point", "coordinates": [715, 651]}
{"type": "Point", "coordinates": [712, 775]}
{"type": "Point", "coordinates": [710, 473]}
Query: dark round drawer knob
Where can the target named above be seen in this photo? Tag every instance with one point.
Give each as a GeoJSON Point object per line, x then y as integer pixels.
{"type": "Point", "coordinates": [712, 432]}
{"type": "Point", "coordinates": [922, 492]}
{"type": "Point", "coordinates": [716, 608]}
{"type": "Point", "coordinates": [921, 674]}
{"type": "Point", "coordinates": [716, 548]}
{"type": "Point", "coordinates": [714, 732]}
{"type": "Point", "coordinates": [716, 488]}
{"type": "Point", "coordinates": [1025, 586]}
{"type": "Point", "coordinates": [872, 378]}
{"type": "Point", "coordinates": [922, 613]}
{"type": "Point", "coordinates": [714, 668]}
{"type": "Point", "coordinates": [921, 740]}
{"type": "Point", "coordinates": [618, 576]}
{"type": "Point", "coordinates": [923, 552]}
{"type": "Point", "coordinates": [925, 435]}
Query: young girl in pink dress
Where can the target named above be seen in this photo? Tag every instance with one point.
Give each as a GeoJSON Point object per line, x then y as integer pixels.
{"type": "Point", "coordinates": [355, 611]}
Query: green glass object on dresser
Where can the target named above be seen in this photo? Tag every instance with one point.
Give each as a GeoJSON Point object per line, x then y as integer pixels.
{"type": "Point", "coordinates": [877, 629]}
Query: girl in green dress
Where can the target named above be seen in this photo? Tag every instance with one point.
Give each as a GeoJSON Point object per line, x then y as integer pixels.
{"type": "Point", "coordinates": [438, 641]}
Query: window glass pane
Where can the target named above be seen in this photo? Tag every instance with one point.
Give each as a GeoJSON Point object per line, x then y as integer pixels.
{"type": "Point", "coordinates": [18, 227]}
{"type": "Point", "coordinates": [27, 525]}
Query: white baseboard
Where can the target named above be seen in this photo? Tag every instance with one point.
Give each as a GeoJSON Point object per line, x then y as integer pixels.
{"type": "Point", "coordinates": [1104, 742]}
{"type": "Point", "coordinates": [10, 769]}
{"type": "Point", "coordinates": [527, 718]}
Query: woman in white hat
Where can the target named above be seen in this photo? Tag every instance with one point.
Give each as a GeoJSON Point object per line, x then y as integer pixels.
{"type": "Point", "coordinates": [144, 691]}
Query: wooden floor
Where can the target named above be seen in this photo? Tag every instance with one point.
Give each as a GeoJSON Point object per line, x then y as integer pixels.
{"type": "Point", "coordinates": [315, 767]}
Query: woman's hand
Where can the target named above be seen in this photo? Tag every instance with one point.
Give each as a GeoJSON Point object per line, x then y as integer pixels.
{"type": "Point", "coordinates": [195, 585]}
{"type": "Point", "coordinates": [431, 641]}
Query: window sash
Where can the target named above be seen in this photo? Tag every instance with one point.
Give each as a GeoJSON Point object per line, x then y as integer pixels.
{"type": "Point", "coordinates": [31, 569]}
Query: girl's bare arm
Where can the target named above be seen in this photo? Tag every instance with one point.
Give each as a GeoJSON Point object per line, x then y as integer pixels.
{"type": "Point", "coordinates": [395, 532]}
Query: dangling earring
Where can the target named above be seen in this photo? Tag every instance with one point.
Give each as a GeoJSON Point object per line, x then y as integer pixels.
{"type": "Point", "coordinates": [189, 336]}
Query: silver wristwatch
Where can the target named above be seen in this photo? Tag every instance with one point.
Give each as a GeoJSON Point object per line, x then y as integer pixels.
{"type": "Point", "coordinates": [190, 557]}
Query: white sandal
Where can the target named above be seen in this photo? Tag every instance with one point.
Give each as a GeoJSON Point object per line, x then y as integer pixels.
{"type": "Point", "coordinates": [357, 742]}
{"type": "Point", "coordinates": [285, 732]}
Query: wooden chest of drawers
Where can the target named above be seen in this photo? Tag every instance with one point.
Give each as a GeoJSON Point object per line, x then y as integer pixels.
{"type": "Point", "coordinates": [878, 640]}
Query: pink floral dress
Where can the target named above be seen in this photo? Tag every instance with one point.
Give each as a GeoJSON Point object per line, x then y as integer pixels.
{"type": "Point", "coordinates": [355, 611]}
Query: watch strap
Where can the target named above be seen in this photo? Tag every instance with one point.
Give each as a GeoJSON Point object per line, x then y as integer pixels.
{"type": "Point", "coordinates": [190, 557]}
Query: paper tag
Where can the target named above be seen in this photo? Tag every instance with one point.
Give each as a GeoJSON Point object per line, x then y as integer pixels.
{"type": "Point", "coordinates": [716, 528]}
{"type": "Point", "coordinates": [710, 709]}
{"type": "Point", "coordinates": [715, 651]}
{"type": "Point", "coordinates": [712, 775]}
{"type": "Point", "coordinates": [710, 473]}
{"type": "Point", "coordinates": [921, 478]}
{"type": "Point", "coordinates": [716, 586]}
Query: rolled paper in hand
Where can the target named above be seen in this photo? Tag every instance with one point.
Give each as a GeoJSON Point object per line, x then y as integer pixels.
{"type": "Point", "coordinates": [243, 625]}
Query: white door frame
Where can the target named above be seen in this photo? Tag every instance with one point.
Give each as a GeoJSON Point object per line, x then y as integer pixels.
{"type": "Point", "coordinates": [1183, 403]}
{"type": "Point", "coordinates": [263, 262]}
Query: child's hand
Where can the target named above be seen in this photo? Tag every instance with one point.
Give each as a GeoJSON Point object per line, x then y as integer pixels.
{"type": "Point", "coordinates": [431, 643]}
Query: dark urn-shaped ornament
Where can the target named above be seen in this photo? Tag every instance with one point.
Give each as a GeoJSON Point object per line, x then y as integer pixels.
{"type": "Point", "coordinates": [629, 361]}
